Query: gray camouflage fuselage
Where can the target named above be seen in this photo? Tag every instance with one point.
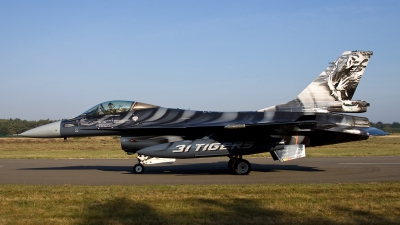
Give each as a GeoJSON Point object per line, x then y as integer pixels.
{"type": "Point", "coordinates": [311, 119]}
{"type": "Point", "coordinates": [266, 130]}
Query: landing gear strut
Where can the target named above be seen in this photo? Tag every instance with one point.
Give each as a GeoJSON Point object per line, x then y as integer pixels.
{"type": "Point", "coordinates": [231, 165]}
{"type": "Point", "coordinates": [238, 165]}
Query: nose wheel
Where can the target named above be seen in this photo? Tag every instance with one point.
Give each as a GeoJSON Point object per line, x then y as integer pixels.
{"type": "Point", "coordinates": [138, 168]}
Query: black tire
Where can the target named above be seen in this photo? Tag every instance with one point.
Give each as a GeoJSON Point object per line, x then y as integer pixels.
{"type": "Point", "coordinates": [231, 165]}
{"type": "Point", "coordinates": [138, 168]}
{"type": "Point", "coordinates": [242, 167]}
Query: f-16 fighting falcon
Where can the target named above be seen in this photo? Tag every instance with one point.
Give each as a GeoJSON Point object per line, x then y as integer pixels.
{"type": "Point", "coordinates": [160, 135]}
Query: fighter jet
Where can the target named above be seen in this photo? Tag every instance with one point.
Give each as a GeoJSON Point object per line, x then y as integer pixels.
{"type": "Point", "coordinates": [160, 135]}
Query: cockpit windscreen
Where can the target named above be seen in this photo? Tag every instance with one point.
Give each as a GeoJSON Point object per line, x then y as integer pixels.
{"type": "Point", "coordinates": [109, 107]}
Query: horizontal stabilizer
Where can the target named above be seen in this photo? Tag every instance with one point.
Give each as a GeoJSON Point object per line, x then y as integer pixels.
{"type": "Point", "coordinates": [373, 131]}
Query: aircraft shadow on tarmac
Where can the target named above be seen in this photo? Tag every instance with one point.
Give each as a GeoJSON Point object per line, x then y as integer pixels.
{"type": "Point", "coordinates": [188, 169]}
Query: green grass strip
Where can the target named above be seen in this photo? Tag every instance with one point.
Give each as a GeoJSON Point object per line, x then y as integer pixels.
{"type": "Point", "coordinates": [110, 148]}
{"type": "Point", "coordinates": [358, 203]}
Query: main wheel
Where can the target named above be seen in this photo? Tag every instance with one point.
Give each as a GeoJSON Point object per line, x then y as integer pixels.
{"type": "Point", "coordinates": [138, 168]}
{"type": "Point", "coordinates": [242, 167]}
{"type": "Point", "coordinates": [231, 165]}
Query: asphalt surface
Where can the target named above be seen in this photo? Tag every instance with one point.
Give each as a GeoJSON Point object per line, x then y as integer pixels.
{"type": "Point", "coordinates": [198, 171]}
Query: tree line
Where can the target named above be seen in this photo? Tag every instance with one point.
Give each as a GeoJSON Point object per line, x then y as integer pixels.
{"type": "Point", "coordinates": [388, 127]}
{"type": "Point", "coordinates": [9, 127]}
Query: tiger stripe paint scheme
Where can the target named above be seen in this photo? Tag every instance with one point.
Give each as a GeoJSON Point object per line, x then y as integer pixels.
{"type": "Point", "coordinates": [311, 119]}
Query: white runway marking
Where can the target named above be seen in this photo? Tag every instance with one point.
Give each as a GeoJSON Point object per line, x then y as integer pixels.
{"type": "Point", "coordinates": [370, 163]}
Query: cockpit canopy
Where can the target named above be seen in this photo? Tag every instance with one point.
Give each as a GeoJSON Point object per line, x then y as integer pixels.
{"type": "Point", "coordinates": [115, 107]}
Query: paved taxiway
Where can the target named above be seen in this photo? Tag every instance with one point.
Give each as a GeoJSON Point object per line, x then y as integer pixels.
{"type": "Point", "coordinates": [198, 171]}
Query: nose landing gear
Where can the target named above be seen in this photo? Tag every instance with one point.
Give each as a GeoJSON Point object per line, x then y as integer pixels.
{"type": "Point", "coordinates": [138, 168]}
{"type": "Point", "coordinates": [146, 160]}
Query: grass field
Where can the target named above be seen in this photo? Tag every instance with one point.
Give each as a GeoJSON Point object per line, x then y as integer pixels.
{"type": "Point", "coordinates": [32, 148]}
{"type": "Point", "coordinates": [109, 147]}
{"type": "Point", "coordinates": [373, 203]}
{"type": "Point", "coordinates": [337, 204]}
{"type": "Point", "coordinates": [374, 146]}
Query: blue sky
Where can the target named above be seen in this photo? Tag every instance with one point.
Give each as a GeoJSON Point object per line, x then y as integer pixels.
{"type": "Point", "coordinates": [59, 58]}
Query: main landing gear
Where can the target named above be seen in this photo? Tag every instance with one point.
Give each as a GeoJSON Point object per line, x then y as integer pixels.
{"type": "Point", "coordinates": [238, 165]}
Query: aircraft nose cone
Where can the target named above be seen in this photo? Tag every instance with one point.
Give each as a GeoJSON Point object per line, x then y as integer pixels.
{"type": "Point", "coordinates": [51, 130]}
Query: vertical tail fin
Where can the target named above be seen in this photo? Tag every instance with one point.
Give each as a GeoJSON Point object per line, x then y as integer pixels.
{"type": "Point", "coordinates": [333, 89]}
